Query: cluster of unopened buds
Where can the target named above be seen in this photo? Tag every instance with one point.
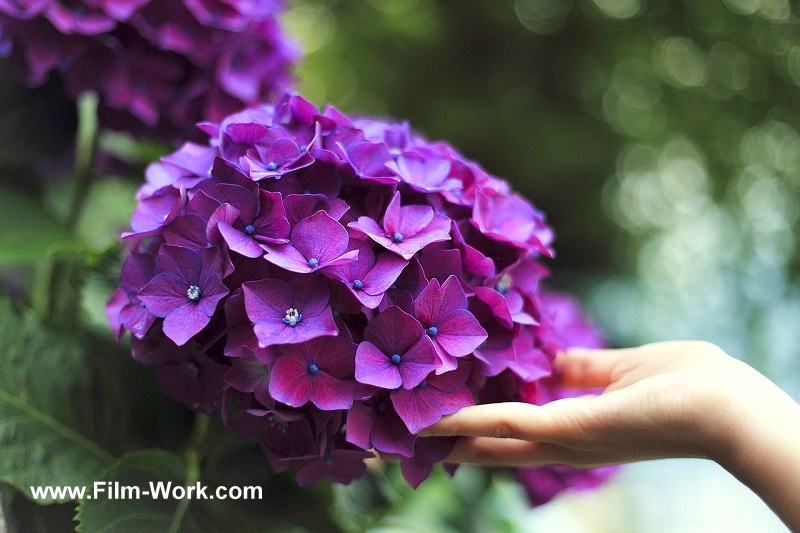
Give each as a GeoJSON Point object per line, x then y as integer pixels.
{"type": "Point", "coordinates": [333, 286]}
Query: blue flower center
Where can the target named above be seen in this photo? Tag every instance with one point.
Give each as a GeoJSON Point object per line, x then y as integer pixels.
{"type": "Point", "coordinates": [432, 331]}
{"type": "Point", "coordinates": [327, 460]}
{"type": "Point", "coordinates": [193, 293]}
{"type": "Point", "coordinates": [396, 358]}
{"type": "Point", "coordinates": [272, 166]}
{"type": "Point", "coordinates": [293, 317]}
{"type": "Point", "coordinates": [397, 237]}
{"type": "Point", "coordinates": [249, 229]}
{"type": "Point", "coordinates": [358, 284]}
{"type": "Point", "coordinates": [422, 384]}
{"type": "Point", "coordinates": [303, 147]}
{"type": "Point", "coordinates": [381, 407]}
{"type": "Point", "coordinates": [313, 368]}
{"type": "Point", "coordinates": [313, 262]}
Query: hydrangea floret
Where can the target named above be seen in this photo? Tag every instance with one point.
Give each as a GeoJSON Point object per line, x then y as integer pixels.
{"type": "Point", "coordinates": [333, 286]}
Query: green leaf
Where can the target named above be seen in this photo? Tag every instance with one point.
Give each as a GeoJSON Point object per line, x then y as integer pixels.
{"type": "Point", "coordinates": [106, 213]}
{"type": "Point", "coordinates": [28, 233]}
{"type": "Point", "coordinates": [147, 514]}
{"type": "Point", "coordinates": [48, 414]}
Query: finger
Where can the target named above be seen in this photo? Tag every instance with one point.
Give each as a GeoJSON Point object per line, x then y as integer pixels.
{"type": "Point", "coordinates": [501, 452]}
{"type": "Point", "coordinates": [499, 420]}
{"type": "Point", "coordinates": [489, 451]}
{"type": "Point", "coordinates": [585, 368]}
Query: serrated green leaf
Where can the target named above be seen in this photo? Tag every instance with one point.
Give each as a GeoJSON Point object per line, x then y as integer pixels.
{"type": "Point", "coordinates": [47, 412]}
{"type": "Point", "coordinates": [147, 514]}
{"type": "Point", "coordinates": [28, 233]}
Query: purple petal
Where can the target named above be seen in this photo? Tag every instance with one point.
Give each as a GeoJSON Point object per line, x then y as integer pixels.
{"type": "Point", "coordinates": [460, 333]}
{"type": "Point", "coordinates": [417, 363]}
{"type": "Point", "coordinates": [373, 367]}
{"type": "Point", "coordinates": [393, 331]}
{"type": "Point", "coordinates": [184, 323]}
{"type": "Point", "coordinates": [164, 294]}
{"type": "Point", "coordinates": [290, 381]}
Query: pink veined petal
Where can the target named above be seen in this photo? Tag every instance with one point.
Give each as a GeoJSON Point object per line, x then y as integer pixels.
{"type": "Point", "coordinates": [266, 300]}
{"type": "Point", "coordinates": [239, 241]}
{"type": "Point", "coordinates": [417, 363]}
{"type": "Point", "coordinates": [329, 393]}
{"type": "Point", "coordinates": [360, 421]}
{"type": "Point", "coordinates": [373, 367]}
{"type": "Point", "coordinates": [287, 257]}
{"type": "Point", "coordinates": [414, 219]}
{"type": "Point", "coordinates": [177, 259]}
{"type": "Point", "coordinates": [392, 218]}
{"type": "Point", "coordinates": [164, 294]}
{"type": "Point", "coordinates": [290, 381]}
{"type": "Point", "coordinates": [321, 237]}
{"type": "Point", "coordinates": [184, 323]}
{"type": "Point", "coordinates": [213, 291]}
{"type": "Point", "coordinates": [460, 333]}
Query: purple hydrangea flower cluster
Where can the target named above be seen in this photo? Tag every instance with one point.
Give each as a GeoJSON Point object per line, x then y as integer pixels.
{"type": "Point", "coordinates": [333, 286]}
{"type": "Point", "coordinates": [158, 66]}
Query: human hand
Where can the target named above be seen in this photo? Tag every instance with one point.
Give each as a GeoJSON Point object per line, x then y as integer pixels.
{"type": "Point", "coordinates": [672, 399]}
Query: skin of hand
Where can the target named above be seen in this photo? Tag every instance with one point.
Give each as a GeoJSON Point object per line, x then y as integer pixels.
{"type": "Point", "coordinates": [671, 399]}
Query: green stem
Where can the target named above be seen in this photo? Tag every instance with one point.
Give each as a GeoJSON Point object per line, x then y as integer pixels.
{"type": "Point", "coordinates": [192, 455]}
{"type": "Point", "coordinates": [85, 152]}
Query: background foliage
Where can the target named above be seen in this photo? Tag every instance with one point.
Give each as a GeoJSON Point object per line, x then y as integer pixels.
{"type": "Point", "coordinates": [661, 137]}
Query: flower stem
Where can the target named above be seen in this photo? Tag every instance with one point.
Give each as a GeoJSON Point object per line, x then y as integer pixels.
{"type": "Point", "coordinates": [192, 455]}
{"type": "Point", "coordinates": [85, 152]}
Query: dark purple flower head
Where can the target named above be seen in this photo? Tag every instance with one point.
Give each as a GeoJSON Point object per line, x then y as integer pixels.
{"type": "Point", "coordinates": [336, 285]}
{"type": "Point", "coordinates": [159, 67]}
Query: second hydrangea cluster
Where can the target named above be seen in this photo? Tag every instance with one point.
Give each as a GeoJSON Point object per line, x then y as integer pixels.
{"type": "Point", "coordinates": [333, 286]}
{"type": "Point", "coordinates": [159, 66]}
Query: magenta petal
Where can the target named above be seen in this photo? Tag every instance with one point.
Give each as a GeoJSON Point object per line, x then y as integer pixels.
{"type": "Point", "coordinates": [290, 381]}
{"type": "Point", "coordinates": [329, 393]}
{"type": "Point", "coordinates": [287, 257]}
{"type": "Point", "coordinates": [360, 420]}
{"type": "Point", "coordinates": [424, 406]}
{"type": "Point", "coordinates": [240, 242]}
{"type": "Point", "coordinates": [373, 367]}
{"type": "Point", "coordinates": [164, 294]}
{"type": "Point", "coordinates": [417, 363]}
{"type": "Point", "coordinates": [319, 236]}
{"type": "Point", "coordinates": [460, 333]}
{"type": "Point", "coordinates": [393, 331]}
{"type": "Point", "coordinates": [184, 323]}
{"type": "Point", "coordinates": [266, 300]}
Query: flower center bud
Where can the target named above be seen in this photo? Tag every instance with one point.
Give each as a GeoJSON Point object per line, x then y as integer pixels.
{"type": "Point", "coordinates": [504, 283]}
{"type": "Point", "coordinates": [293, 317]}
{"type": "Point", "coordinates": [313, 262]}
{"type": "Point", "coordinates": [432, 331]}
{"type": "Point", "coordinates": [396, 359]}
{"type": "Point", "coordinates": [358, 284]}
{"type": "Point", "coordinates": [313, 368]}
{"type": "Point", "coordinates": [249, 229]}
{"type": "Point", "coordinates": [422, 384]}
{"type": "Point", "coordinates": [327, 460]}
{"type": "Point", "coordinates": [193, 293]}
{"type": "Point", "coordinates": [272, 166]}
{"type": "Point", "coordinates": [397, 237]}
{"type": "Point", "coordinates": [381, 407]}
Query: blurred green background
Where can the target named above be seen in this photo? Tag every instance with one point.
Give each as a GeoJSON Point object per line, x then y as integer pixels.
{"type": "Point", "coordinates": [661, 137]}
